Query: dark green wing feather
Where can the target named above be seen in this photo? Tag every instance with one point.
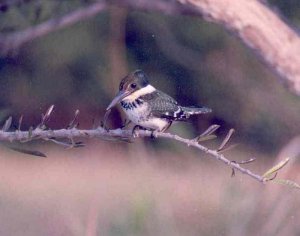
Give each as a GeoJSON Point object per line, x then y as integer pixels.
{"type": "Point", "coordinates": [162, 105]}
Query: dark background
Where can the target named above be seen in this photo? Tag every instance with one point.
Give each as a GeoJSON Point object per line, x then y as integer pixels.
{"type": "Point", "coordinates": [196, 62]}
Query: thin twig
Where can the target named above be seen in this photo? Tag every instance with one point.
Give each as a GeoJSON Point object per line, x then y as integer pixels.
{"type": "Point", "coordinates": [211, 152]}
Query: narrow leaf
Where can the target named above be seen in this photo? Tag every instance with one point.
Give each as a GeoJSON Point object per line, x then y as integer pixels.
{"type": "Point", "coordinates": [232, 172]}
{"type": "Point", "coordinates": [247, 161]}
{"type": "Point", "coordinates": [211, 129]}
{"type": "Point", "coordinates": [66, 144]}
{"type": "Point", "coordinates": [275, 168]}
{"type": "Point", "coordinates": [29, 152]}
{"type": "Point", "coordinates": [49, 111]}
{"type": "Point", "coordinates": [286, 182]}
{"type": "Point", "coordinates": [225, 149]}
{"type": "Point", "coordinates": [226, 139]}
{"type": "Point", "coordinates": [241, 163]}
{"type": "Point", "coordinates": [79, 144]}
{"type": "Point", "coordinates": [30, 132]}
{"type": "Point", "coordinates": [20, 122]}
{"type": "Point", "coordinates": [59, 142]}
{"type": "Point", "coordinates": [45, 118]}
{"type": "Point", "coordinates": [207, 134]}
{"type": "Point", "coordinates": [72, 124]}
{"type": "Point", "coordinates": [205, 138]}
{"type": "Point", "coordinates": [7, 124]}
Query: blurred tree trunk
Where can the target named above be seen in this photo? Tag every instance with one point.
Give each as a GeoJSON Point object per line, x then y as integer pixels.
{"type": "Point", "coordinates": [260, 29]}
{"type": "Point", "coordinates": [254, 22]}
{"type": "Point", "coordinates": [117, 46]}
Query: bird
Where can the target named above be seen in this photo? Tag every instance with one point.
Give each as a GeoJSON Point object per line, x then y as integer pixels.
{"type": "Point", "coordinates": [148, 107]}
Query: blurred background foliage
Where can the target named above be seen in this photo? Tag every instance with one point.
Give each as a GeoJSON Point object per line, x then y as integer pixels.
{"type": "Point", "coordinates": [194, 61]}
{"type": "Point", "coordinates": [134, 189]}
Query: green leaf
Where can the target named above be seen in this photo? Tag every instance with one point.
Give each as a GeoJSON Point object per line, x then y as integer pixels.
{"type": "Point", "coordinates": [225, 149]}
{"type": "Point", "coordinates": [226, 140]}
{"type": "Point", "coordinates": [205, 138]}
{"type": "Point", "coordinates": [275, 168]}
{"type": "Point", "coordinates": [210, 130]}
{"type": "Point", "coordinates": [286, 182]}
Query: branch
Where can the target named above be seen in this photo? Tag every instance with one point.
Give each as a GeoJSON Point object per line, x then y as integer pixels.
{"type": "Point", "coordinates": [254, 23]}
{"type": "Point", "coordinates": [117, 135]}
{"type": "Point", "coordinates": [214, 153]}
{"type": "Point", "coordinates": [42, 132]}
{"type": "Point", "coordinates": [260, 29]}
{"type": "Point", "coordinates": [12, 41]}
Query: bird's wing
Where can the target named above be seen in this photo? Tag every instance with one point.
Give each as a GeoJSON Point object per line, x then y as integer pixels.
{"type": "Point", "coordinates": [162, 105]}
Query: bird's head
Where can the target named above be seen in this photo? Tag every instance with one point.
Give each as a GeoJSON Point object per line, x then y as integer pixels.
{"type": "Point", "coordinates": [131, 86]}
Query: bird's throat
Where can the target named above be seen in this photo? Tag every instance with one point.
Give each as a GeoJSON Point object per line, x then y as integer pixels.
{"type": "Point", "coordinates": [143, 91]}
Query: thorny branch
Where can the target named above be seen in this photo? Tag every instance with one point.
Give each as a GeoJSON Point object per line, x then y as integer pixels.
{"type": "Point", "coordinates": [71, 132]}
{"type": "Point", "coordinates": [116, 135]}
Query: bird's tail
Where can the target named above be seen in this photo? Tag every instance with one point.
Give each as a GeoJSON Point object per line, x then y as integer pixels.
{"type": "Point", "coordinates": [188, 111]}
{"type": "Point", "coordinates": [196, 110]}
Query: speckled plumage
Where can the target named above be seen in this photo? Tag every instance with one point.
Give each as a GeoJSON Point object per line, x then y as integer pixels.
{"type": "Point", "coordinates": [156, 110]}
{"type": "Point", "coordinates": [148, 107]}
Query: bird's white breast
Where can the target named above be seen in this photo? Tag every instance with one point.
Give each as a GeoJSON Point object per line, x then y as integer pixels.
{"type": "Point", "coordinates": [154, 123]}
{"type": "Point", "coordinates": [140, 115]}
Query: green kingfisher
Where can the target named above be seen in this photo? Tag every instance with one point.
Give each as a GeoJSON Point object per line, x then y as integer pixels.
{"type": "Point", "coordinates": [148, 107]}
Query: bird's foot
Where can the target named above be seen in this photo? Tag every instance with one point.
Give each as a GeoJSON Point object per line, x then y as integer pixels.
{"type": "Point", "coordinates": [153, 136]}
{"type": "Point", "coordinates": [135, 129]}
{"type": "Point", "coordinates": [102, 125]}
{"type": "Point", "coordinates": [125, 124]}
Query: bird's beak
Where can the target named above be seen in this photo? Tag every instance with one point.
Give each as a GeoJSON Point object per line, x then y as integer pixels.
{"type": "Point", "coordinates": [118, 98]}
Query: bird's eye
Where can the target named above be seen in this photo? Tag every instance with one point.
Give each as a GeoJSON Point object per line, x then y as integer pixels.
{"type": "Point", "coordinates": [133, 86]}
